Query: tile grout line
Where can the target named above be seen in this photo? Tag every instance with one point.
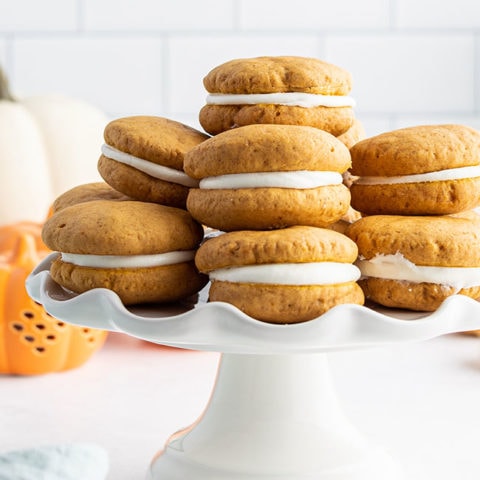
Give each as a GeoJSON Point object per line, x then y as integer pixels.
{"type": "Point", "coordinates": [80, 16]}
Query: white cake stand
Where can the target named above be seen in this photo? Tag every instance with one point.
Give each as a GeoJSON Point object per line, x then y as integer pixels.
{"type": "Point", "coordinates": [273, 414]}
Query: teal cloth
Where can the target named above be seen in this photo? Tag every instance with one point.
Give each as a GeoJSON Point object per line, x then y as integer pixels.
{"type": "Point", "coordinates": [80, 461]}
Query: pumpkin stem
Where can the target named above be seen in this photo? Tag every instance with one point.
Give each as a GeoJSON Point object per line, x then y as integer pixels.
{"type": "Point", "coordinates": [4, 89]}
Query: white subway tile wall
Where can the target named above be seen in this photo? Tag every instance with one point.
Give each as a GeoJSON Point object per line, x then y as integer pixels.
{"type": "Point", "coordinates": [275, 15]}
{"type": "Point", "coordinates": [45, 16]}
{"type": "Point", "coordinates": [412, 61]}
{"type": "Point", "coordinates": [464, 14]}
{"type": "Point", "coordinates": [408, 72]}
{"type": "Point", "coordinates": [120, 74]}
{"type": "Point", "coordinates": [158, 16]}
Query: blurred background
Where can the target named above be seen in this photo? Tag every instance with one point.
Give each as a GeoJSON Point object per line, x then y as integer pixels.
{"type": "Point", "coordinates": [412, 61]}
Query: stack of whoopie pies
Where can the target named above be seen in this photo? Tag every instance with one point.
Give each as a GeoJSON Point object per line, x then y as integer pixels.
{"type": "Point", "coordinates": [418, 243]}
{"type": "Point", "coordinates": [283, 91]}
{"type": "Point", "coordinates": [284, 178]}
{"type": "Point", "coordinates": [271, 179]}
{"type": "Point", "coordinates": [280, 91]}
{"type": "Point", "coordinates": [131, 234]}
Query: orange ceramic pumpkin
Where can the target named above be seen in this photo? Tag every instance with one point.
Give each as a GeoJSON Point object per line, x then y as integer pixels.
{"type": "Point", "coordinates": [32, 341]}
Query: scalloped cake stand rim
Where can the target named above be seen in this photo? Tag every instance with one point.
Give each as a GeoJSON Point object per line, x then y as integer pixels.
{"type": "Point", "coordinates": [221, 327]}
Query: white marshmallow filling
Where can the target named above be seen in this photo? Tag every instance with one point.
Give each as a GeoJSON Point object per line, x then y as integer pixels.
{"type": "Point", "coordinates": [154, 170]}
{"type": "Point", "coordinates": [290, 99]}
{"type": "Point", "coordinates": [317, 273]}
{"type": "Point", "coordinates": [441, 175]}
{"type": "Point", "coordinates": [128, 261]}
{"type": "Point", "coordinates": [397, 267]}
{"type": "Point", "coordinates": [302, 179]}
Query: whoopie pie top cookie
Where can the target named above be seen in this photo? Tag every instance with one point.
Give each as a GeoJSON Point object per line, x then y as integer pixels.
{"type": "Point", "coordinates": [268, 176]}
{"type": "Point", "coordinates": [143, 158]}
{"type": "Point", "coordinates": [142, 251]}
{"type": "Point", "coordinates": [280, 90]}
{"type": "Point", "coordinates": [282, 276]}
{"type": "Point", "coordinates": [424, 170]}
{"type": "Point", "coordinates": [416, 262]}
{"type": "Point", "coordinates": [87, 193]}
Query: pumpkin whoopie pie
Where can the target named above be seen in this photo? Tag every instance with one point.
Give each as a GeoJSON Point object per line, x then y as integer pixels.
{"type": "Point", "coordinates": [87, 193]}
{"type": "Point", "coordinates": [277, 90]}
{"type": "Point", "coordinates": [424, 170]}
{"type": "Point", "coordinates": [268, 176]}
{"type": "Point", "coordinates": [142, 251]}
{"type": "Point", "coordinates": [143, 158]}
{"type": "Point", "coordinates": [289, 275]}
{"type": "Point", "coordinates": [416, 262]}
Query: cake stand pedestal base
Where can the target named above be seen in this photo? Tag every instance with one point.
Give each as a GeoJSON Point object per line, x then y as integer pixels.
{"type": "Point", "coordinates": [272, 417]}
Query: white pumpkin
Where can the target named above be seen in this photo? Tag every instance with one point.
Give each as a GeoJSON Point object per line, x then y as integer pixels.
{"type": "Point", "coordinates": [48, 144]}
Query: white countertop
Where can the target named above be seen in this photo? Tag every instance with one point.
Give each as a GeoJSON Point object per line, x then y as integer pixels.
{"type": "Point", "coordinates": [421, 401]}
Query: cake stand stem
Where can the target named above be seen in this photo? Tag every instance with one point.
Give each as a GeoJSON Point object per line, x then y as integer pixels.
{"type": "Point", "coordinates": [272, 417]}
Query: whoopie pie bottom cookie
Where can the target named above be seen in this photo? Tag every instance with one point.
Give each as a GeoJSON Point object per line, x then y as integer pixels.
{"type": "Point", "coordinates": [417, 262]}
{"type": "Point", "coordinates": [290, 275]}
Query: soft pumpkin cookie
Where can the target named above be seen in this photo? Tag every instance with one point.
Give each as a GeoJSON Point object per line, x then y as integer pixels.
{"type": "Point", "coordinates": [268, 176]}
{"type": "Point", "coordinates": [142, 251]}
{"type": "Point", "coordinates": [277, 90]}
{"type": "Point", "coordinates": [424, 170]}
{"type": "Point", "coordinates": [417, 262]}
{"type": "Point", "coordinates": [87, 193]}
{"type": "Point", "coordinates": [143, 158]}
{"type": "Point", "coordinates": [353, 135]}
{"type": "Point", "coordinates": [282, 276]}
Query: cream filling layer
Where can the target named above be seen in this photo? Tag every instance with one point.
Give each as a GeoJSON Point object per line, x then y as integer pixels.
{"type": "Point", "coordinates": [397, 267]}
{"type": "Point", "coordinates": [157, 171]}
{"type": "Point", "coordinates": [441, 175]}
{"type": "Point", "coordinates": [318, 273]}
{"type": "Point", "coordinates": [299, 179]}
{"type": "Point", "coordinates": [128, 261]}
{"type": "Point", "coordinates": [290, 99]}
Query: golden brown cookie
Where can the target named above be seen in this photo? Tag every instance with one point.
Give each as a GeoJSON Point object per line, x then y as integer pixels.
{"type": "Point", "coordinates": [417, 262]}
{"type": "Point", "coordinates": [142, 251]}
{"type": "Point", "coordinates": [216, 119]}
{"type": "Point", "coordinates": [278, 74]}
{"type": "Point", "coordinates": [278, 90]}
{"type": "Point", "coordinates": [425, 170]}
{"type": "Point", "coordinates": [353, 135]}
{"type": "Point", "coordinates": [87, 193]}
{"type": "Point", "coordinates": [474, 333]}
{"type": "Point", "coordinates": [268, 176]}
{"type": "Point", "coordinates": [282, 276]}
{"type": "Point", "coordinates": [350, 217]}
{"type": "Point", "coordinates": [143, 158]}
